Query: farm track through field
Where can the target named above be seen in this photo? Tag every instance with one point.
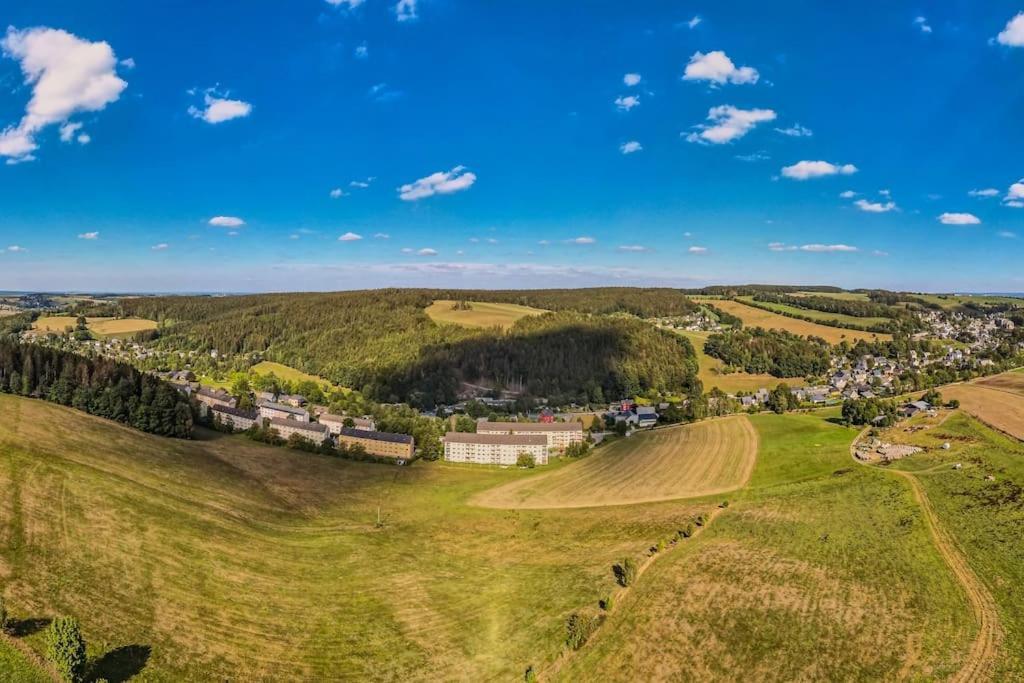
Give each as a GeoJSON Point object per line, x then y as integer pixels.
{"type": "Point", "coordinates": [981, 658]}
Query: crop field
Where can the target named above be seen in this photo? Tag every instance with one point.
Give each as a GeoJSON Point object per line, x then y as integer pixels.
{"type": "Point", "coordinates": [1001, 408]}
{"type": "Point", "coordinates": [220, 558]}
{"type": "Point", "coordinates": [480, 314]}
{"type": "Point", "coordinates": [287, 373]}
{"type": "Point", "coordinates": [102, 328]}
{"type": "Point", "coordinates": [842, 296]}
{"type": "Point", "coordinates": [1012, 382]}
{"type": "Point", "coordinates": [756, 317]}
{"type": "Point", "coordinates": [820, 316]}
{"type": "Point", "coordinates": [711, 375]}
{"type": "Point", "coordinates": [706, 458]}
{"type": "Point", "coordinates": [954, 300]}
{"type": "Point", "coordinates": [807, 572]}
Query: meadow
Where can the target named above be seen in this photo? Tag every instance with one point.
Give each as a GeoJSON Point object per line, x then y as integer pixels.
{"type": "Point", "coordinates": [819, 316]}
{"type": "Point", "coordinates": [707, 458]}
{"type": "Point", "coordinates": [711, 374]}
{"type": "Point", "coordinates": [480, 314]}
{"type": "Point", "coordinates": [997, 401]}
{"type": "Point", "coordinates": [287, 373]}
{"type": "Point", "coordinates": [101, 328]}
{"type": "Point", "coordinates": [757, 317]}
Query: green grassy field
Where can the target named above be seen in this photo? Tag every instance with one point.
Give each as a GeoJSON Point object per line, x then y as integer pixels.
{"type": "Point", "coordinates": [287, 373]}
{"type": "Point", "coordinates": [481, 314]}
{"type": "Point", "coordinates": [101, 328]}
{"type": "Point", "coordinates": [818, 316]}
{"type": "Point", "coordinates": [758, 317]}
{"type": "Point", "coordinates": [842, 296]}
{"type": "Point", "coordinates": [954, 300]}
{"type": "Point", "coordinates": [15, 667]}
{"type": "Point", "coordinates": [711, 375]}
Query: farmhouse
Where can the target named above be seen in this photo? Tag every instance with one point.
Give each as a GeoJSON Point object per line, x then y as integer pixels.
{"type": "Point", "coordinates": [336, 423]}
{"type": "Point", "coordinates": [494, 448]}
{"type": "Point", "coordinates": [279, 411]}
{"type": "Point", "coordinates": [383, 444]}
{"type": "Point", "coordinates": [317, 433]}
{"type": "Point", "coordinates": [558, 434]}
{"type": "Point", "coordinates": [239, 420]}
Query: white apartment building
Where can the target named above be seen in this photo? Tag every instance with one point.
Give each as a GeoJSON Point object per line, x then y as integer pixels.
{"type": "Point", "coordinates": [239, 420]}
{"type": "Point", "coordinates": [336, 423]}
{"type": "Point", "coordinates": [494, 449]}
{"type": "Point", "coordinates": [558, 434]}
{"type": "Point", "coordinates": [279, 411]}
{"type": "Point", "coordinates": [317, 433]}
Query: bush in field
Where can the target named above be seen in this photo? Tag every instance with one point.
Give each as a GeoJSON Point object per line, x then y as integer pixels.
{"type": "Point", "coordinates": [700, 520]}
{"type": "Point", "coordinates": [608, 603]}
{"type": "Point", "coordinates": [65, 647]}
{"type": "Point", "coordinates": [530, 676]}
{"type": "Point", "coordinates": [526, 460]}
{"type": "Point", "coordinates": [724, 504]}
{"type": "Point", "coordinates": [625, 572]}
{"type": "Point", "coordinates": [579, 628]}
{"type": "Point", "coordinates": [4, 617]}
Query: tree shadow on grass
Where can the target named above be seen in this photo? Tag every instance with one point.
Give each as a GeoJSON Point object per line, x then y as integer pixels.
{"type": "Point", "coordinates": [19, 628]}
{"type": "Point", "coordinates": [121, 663]}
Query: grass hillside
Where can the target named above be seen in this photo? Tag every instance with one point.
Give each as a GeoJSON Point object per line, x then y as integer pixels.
{"type": "Point", "coordinates": [479, 314]}
{"type": "Point", "coordinates": [711, 374]}
{"type": "Point", "coordinates": [757, 317]}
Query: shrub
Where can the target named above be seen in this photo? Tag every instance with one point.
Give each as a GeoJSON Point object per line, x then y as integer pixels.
{"type": "Point", "coordinates": [530, 676]}
{"type": "Point", "coordinates": [4, 617]}
{"type": "Point", "coordinates": [688, 531]}
{"type": "Point", "coordinates": [700, 520]}
{"type": "Point", "coordinates": [608, 603]}
{"type": "Point", "coordinates": [724, 504]}
{"type": "Point", "coordinates": [526, 460]}
{"type": "Point", "coordinates": [65, 647]}
{"type": "Point", "coordinates": [579, 628]}
{"type": "Point", "coordinates": [625, 572]}
{"type": "Point", "coordinates": [661, 546]}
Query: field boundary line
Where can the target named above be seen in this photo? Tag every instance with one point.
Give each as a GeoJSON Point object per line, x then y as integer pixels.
{"type": "Point", "coordinates": [981, 657]}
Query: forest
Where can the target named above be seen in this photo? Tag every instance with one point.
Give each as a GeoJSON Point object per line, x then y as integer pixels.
{"type": "Point", "coordinates": [383, 344]}
{"type": "Point", "coordinates": [828, 304]}
{"type": "Point", "coordinates": [775, 352]}
{"type": "Point", "coordinates": [94, 385]}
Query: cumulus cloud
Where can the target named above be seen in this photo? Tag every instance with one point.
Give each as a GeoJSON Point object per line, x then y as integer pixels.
{"type": "Point", "coordinates": [922, 24]}
{"type": "Point", "coordinates": [15, 249]}
{"type": "Point", "coordinates": [350, 4]}
{"type": "Point", "coordinates": [848, 194]}
{"type": "Point", "coordinates": [68, 75]}
{"type": "Point", "coordinates": [382, 236]}
{"type": "Point", "coordinates": [805, 170]}
{"type": "Point", "coordinates": [337, 193]}
{"type": "Point", "coordinates": [226, 222]}
{"type": "Point", "coordinates": [1015, 195]}
{"type": "Point", "coordinates": [163, 246]}
{"type": "Point", "coordinates": [627, 102]}
{"type": "Point", "coordinates": [405, 10]}
{"type": "Point", "coordinates": [796, 131]}
{"type": "Point", "coordinates": [631, 79]}
{"type": "Point", "coordinates": [874, 207]}
{"type": "Point", "coordinates": [350, 237]}
{"type": "Point", "coordinates": [219, 108]}
{"type": "Point", "coordinates": [89, 236]}
{"type": "Point", "coordinates": [442, 182]}
{"type": "Point", "coordinates": [717, 68]}
{"type": "Point", "coordinates": [630, 147]}
{"type": "Point", "coordinates": [959, 219]}
{"type": "Point", "coordinates": [698, 250]}
{"type": "Point", "coordinates": [729, 123]}
{"type": "Point", "coordinates": [427, 251]}
{"type": "Point", "coordinates": [813, 248]}
{"type": "Point", "coordinates": [583, 240]}
{"type": "Point", "coordinates": [1013, 34]}
{"type": "Point", "coordinates": [635, 248]}
{"type": "Point", "coordinates": [986, 192]}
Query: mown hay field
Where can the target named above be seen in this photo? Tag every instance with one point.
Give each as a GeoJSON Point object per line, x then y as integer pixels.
{"type": "Point", "coordinates": [756, 317]}
{"type": "Point", "coordinates": [711, 375]}
{"type": "Point", "coordinates": [481, 314]}
{"type": "Point", "coordinates": [706, 458]}
{"type": "Point", "coordinates": [996, 401]}
{"type": "Point", "coordinates": [103, 328]}
{"type": "Point", "coordinates": [814, 565]}
{"type": "Point", "coordinates": [820, 316]}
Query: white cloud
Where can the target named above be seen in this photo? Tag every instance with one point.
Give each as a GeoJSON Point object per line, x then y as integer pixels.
{"type": "Point", "coordinates": [226, 222]}
{"type": "Point", "coordinates": [405, 10]}
{"type": "Point", "coordinates": [442, 182]}
{"type": "Point", "coordinates": [163, 246]}
{"type": "Point", "coordinates": [987, 192]}
{"type": "Point", "coordinates": [922, 24]}
{"type": "Point", "coordinates": [637, 248]}
{"type": "Point", "coordinates": [630, 147]}
{"type": "Point", "coordinates": [337, 193]}
{"type": "Point", "coordinates": [220, 109]}
{"type": "Point", "coordinates": [627, 102]}
{"type": "Point", "coordinates": [631, 79]}
{"type": "Point", "coordinates": [362, 51]}
{"type": "Point", "coordinates": [84, 138]}
{"type": "Point", "coordinates": [361, 184]}
{"type": "Point", "coordinates": [1013, 34]}
{"type": "Point", "coordinates": [89, 236]}
{"type": "Point", "coordinates": [796, 131]}
{"type": "Point", "coordinates": [127, 63]}
{"type": "Point", "coordinates": [719, 69]}
{"type": "Point", "coordinates": [68, 130]}
{"type": "Point", "coordinates": [729, 123]}
{"type": "Point", "coordinates": [804, 170]}
{"type": "Point", "coordinates": [879, 252]}
{"type": "Point", "coordinates": [1015, 195]}
{"type": "Point", "coordinates": [755, 156]}
{"type": "Point", "coordinates": [67, 74]}
{"type": "Point", "coordinates": [583, 240]}
{"type": "Point", "coordinates": [382, 236]}
{"type": "Point", "coordinates": [350, 237]}
{"type": "Point", "coordinates": [350, 4]}
{"type": "Point", "coordinates": [698, 250]}
{"type": "Point", "coordinates": [14, 248]}
{"type": "Point", "coordinates": [813, 248]}
{"type": "Point", "coordinates": [693, 23]}
{"type": "Point", "coordinates": [233, 233]}
{"type": "Point", "coordinates": [848, 194]}
{"type": "Point", "coordinates": [427, 251]}
{"type": "Point", "coordinates": [491, 240]}
{"type": "Point", "coordinates": [406, 250]}
{"type": "Point", "coordinates": [1006, 234]}
{"type": "Point", "coordinates": [959, 219]}
{"type": "Point", "coordinates": [874, 207]}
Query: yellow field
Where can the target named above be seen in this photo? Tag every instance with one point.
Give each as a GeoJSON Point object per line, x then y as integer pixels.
{"type": "Point", "coordinates": [995, 405]}
{"type": "Point", "coordinates": [481, 314]}
{"type": "Point", "coordinates": [706, 458]}
{"type": "Point", "coordinates": [286, 373]}
{"type": "Point", "coordinates": [756, 317]}
{"type": "Point", "coordinates": [101, 327]}
{"type": "Point", "coordinates": [711, 375]}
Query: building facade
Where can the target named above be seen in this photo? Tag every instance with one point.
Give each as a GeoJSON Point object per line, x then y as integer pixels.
{"type": "Point", "coordinates": [494, 449]}
{"type": "Point", "coordinates": [336, 423]}
{"type": "Point", "coordinates": [317, 433]}
{"type": "Point", "coordinates": [558, 434]}
{"type": "Point", "coordinates": [382, 444]}
{"type": "Point", "coordinates": [239, 420]}
{"type": "Point", "coordinates": [279, 411]}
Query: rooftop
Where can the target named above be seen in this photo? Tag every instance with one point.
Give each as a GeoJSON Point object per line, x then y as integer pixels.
{"type": "Point", "coordinates": [237, 412]}
{"type": "Point", "coordinates": [376, 436]}
{"type": "Point", "coordinates": [497, 439]}
{"type": "Point", "coordinates": [529, 426]}
{"type": "Point", "coordinates": [295, 424]}
{"type": "Point", "coordinates": [283, 408]}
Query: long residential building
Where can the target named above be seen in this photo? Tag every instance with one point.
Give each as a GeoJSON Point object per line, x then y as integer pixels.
{"type": "Point", "coordinates": [558, 434]}
{"type": "Point", "coordinates": [239, 420]}
{"type": "Point", "coordinates": [215, 397]}
{"type": "Point", "coordinates": [317, 433]}
{"type": "Point", "coordinates": [271, 411]}
{"type": "Point", "coordinates": [337, 422]}
{"type": "Point", "coordinates": [494, 449]}
{"type": "Point", "coordinates": [384, 444]}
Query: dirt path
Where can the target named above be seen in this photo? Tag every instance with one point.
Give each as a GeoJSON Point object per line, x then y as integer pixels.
{"type": "Point", "coordinates": [981, 657]}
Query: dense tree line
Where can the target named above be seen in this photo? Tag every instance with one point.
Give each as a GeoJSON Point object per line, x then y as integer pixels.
{"type": "Point", "coordinates": [725, 318]}
{"type": "Point", "coordinates": [382, 342]}
{"type": "Point", "coordinates": [95, 385]}
{"type": "Point", "coordinates": [647, 302]}
{"type": "Point", "coordinates": [862, 411]}
{"type": "Point", "coordinates": [828, 304]}
{"type": "Point", "coordinates": [730, 291]}
{"type": "Point", "coordinates": [775, 352]}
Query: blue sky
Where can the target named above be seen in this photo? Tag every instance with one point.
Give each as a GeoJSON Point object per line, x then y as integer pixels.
{"type": "Point", "coordinates": [187, 146]}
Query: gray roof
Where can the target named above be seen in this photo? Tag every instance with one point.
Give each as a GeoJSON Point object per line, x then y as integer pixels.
{"type": "Point", "coordinates": [283, 408]}
{"type": "Point", "coordinates": [497, 439]}
{"type": "Point", "coordinates": [376, 436]}
{"type": "Point", "coordinates": [530, 426]}
{"type": "Point", "coordinates": [236, 412]}
{"type": "Point", "coordinates": [295, 424]}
